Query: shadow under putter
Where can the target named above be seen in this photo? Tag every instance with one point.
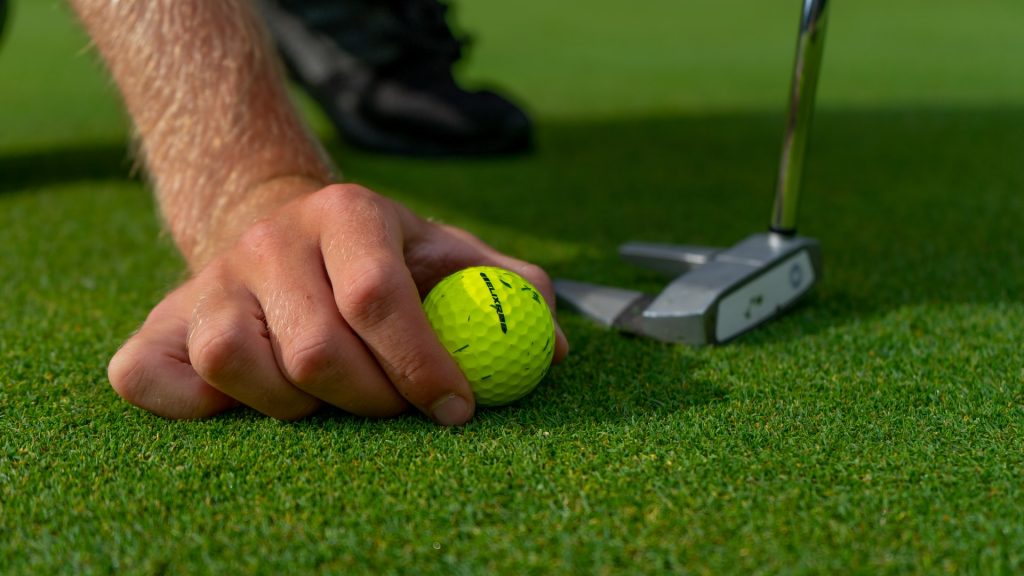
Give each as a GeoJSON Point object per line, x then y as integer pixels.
{"type": "Point", "coordinates": [718, 293]}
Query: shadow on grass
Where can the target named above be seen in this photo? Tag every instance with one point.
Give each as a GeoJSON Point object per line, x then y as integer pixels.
{"type": "Point", "coordinates": [633, 382]}
{"type": "Point", "coordinates": [606, 380]}
{"type": "Point", "coordinates": [38, 168]}
{"type": "Point", "coordinates": [911, 206]}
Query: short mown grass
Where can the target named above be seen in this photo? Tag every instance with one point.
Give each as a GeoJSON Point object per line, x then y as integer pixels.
{"type": "Point", "coordinates": [878, 428]}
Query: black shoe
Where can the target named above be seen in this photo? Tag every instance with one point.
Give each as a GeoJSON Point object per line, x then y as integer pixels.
{"type": "Point", "coordinates": [3, 17]}
{"type": "Point", "coordinates": [382, 71]}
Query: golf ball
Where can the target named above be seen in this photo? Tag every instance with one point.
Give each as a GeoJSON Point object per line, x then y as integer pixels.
{"type": "Point", "coordinates": [497, 327]}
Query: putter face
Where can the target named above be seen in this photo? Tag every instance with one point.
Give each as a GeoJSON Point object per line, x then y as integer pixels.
{"type": "Point", "coordinates": [731, 292]}
{"type": "Point", "coordinates": [771, 291]}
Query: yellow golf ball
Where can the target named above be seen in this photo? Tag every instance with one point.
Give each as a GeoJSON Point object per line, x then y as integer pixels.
{"type": "Point", "coordinates": [497, 327]}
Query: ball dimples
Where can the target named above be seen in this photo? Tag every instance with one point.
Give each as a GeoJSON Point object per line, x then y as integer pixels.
{"type": "Point", "coordinates": [497, 327]}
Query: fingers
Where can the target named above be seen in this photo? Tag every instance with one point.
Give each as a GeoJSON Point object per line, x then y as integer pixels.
{"type": "Point", "coordinates": [152, 369]}
{"type": "Point", "coordinates": [321, 304]}
{"type": "Point", "coordinates": [229, 348]}
{"type": "Point", "coordinates": [314, 347]}
{"type": "Point", "coordinates": [376, 294]}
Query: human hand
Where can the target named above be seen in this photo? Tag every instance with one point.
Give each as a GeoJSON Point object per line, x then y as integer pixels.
{"type": "Point", "coordinates": [318, 303]}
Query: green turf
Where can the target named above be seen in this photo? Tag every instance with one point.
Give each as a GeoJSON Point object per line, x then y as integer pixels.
{"type": "Point", "coordinates": [877, 429]}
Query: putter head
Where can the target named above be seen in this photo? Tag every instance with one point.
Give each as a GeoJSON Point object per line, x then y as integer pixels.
{"type": "Point", "coordinates": [718, 295]}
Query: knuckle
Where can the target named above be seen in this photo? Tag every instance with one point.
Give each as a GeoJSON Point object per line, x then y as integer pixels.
{"type": "Point", "coordinates": [263, 237]}
{"type": "Point", "coordinates": [213, 351]}
{"type": "Point", "coordinates": [311, 360]}
{"type": "Point", "coordinates": [369, 212]}
{"type": "Point", "coordinates": [415, 371]}
{"type": "Point", "coordinates": [342, 198]}
{"type": "Point", "coordinates": [369, 298]}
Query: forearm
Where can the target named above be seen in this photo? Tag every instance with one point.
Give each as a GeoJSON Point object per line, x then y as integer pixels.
{"type": "Point", "coordinates": [221, 141]}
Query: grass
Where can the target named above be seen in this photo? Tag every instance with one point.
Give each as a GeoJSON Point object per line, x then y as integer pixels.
{"type": "Point", "coordinates": [879, 428]}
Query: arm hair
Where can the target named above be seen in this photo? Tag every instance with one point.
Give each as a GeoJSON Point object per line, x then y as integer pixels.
{"type": "Point", "coordinates": [221, 141]}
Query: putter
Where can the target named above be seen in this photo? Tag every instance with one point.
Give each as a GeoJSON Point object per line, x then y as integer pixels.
{"type": "Point", "coordinates": [720, 293]}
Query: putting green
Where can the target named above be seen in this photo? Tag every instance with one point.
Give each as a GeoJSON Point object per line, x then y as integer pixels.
{"type": "Point", "coordinates": [876, 429]}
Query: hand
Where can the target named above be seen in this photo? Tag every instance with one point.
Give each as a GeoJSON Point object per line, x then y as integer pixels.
{"type": "Point", "coordinates": [319, 303]}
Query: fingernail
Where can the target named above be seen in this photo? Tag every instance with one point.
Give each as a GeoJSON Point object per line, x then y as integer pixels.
{"type": "Point", "coordinates": [451, 410]}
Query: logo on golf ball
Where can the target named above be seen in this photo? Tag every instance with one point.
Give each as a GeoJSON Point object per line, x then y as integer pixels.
{"type": "Point", "coordinates": [497, 302]}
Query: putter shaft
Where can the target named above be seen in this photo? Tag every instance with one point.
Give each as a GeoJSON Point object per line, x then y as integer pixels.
{"type": "Point", "coordinates": [809, 49]}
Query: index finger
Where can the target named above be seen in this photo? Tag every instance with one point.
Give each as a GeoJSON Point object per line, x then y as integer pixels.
{"type": "Point", "coordinates": [375, 293]}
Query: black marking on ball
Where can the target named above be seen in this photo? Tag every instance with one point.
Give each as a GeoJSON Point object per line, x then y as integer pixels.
{"type": "Point", "coordinates": [461, 349]}
{"type": "Point", "coordinates": [533, 293]}
{"type": "Point", "coordinates": [506, 284]}
{"type": "Point", "coordinates": [496, 302]}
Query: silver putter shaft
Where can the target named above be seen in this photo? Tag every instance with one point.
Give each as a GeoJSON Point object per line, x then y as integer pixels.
{"type": "Point", "coordinates": [719, 294]}
{"type": "Point", "coordinates": [809, 49]}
